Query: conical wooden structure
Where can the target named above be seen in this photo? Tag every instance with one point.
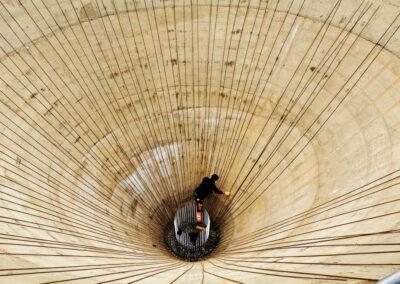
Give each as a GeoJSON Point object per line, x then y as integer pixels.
{"type": "Point", "coordinates": [112, 112]}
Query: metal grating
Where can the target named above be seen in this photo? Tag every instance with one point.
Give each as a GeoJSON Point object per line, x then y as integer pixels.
{"type": "Point", "coordinates": [185, 223]}
{"type": "Point", "coordinates": [190, 244]}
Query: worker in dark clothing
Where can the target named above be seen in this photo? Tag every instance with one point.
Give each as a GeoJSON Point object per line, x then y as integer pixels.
{"type": "Point", "coordinates": [206, 187]}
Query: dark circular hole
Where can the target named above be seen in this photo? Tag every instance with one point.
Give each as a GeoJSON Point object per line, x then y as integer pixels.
{"type": "Point", "coordinates": [164, 232]}
{"type": "Point", "coordinates": [189, 253]}
{"type": "Point", "coordinates": [183, 237]}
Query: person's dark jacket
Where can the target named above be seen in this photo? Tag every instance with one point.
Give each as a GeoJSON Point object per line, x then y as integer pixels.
{"type": "Point", "coordinates": [205, 188]}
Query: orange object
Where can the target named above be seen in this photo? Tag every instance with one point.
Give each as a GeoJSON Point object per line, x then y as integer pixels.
{"type": "Point", "coordinates": [198, 216]}
{"type": "Point", "coordinates": [200, 228]}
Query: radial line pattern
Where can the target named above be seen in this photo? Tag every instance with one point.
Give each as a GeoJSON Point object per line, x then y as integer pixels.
{"type": "Point", "coordinates": [112, 112]}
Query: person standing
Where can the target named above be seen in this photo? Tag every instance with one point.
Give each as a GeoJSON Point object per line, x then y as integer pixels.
{"type": "Point", "coordinates": [206, 187]}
